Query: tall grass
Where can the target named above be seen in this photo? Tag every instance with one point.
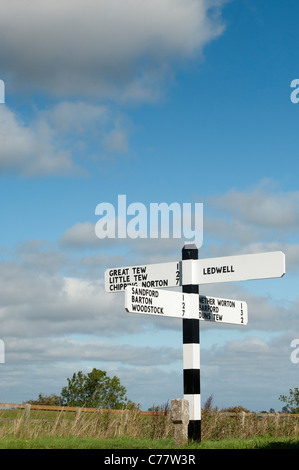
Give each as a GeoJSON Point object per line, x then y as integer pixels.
{"type": "Point", "coordinates": [218, 425]}
{"type": "Point", "coordinates": [103, 424]}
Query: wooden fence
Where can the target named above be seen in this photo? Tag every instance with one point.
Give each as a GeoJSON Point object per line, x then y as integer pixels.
{"type": "Point", "coordinates": [28, 407]}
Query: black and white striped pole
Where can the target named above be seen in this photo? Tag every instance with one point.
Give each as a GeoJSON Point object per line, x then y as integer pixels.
{"type": "Point", "coordinates": [191, 357]}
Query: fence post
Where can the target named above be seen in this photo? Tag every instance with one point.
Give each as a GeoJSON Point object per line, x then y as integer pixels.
{"type": "Point", "coordinates": [78, 413]}
{"type": "Point", "coordinates": [27, 413]}
{"type": "Point", "coordinates": [180, 419]}
{"type": "Point", "coordinates": [126, 417]}
{"type": "Point", "coordinates": [243, 418]}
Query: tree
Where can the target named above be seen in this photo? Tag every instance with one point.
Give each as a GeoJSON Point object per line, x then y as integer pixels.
{"type": "Point", "coordinates": [94, 390]}
{"type": "Point", "coordinates": [291, 401]}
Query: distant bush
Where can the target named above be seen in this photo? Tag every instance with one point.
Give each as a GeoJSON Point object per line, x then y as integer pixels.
{"type": "Point", "coordinates": [50, 400]}
{"type": "Point", "coordinates": [235, 409]}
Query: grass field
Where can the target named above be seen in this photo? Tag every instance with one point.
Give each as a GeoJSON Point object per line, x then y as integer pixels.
{"type": "Point", "coordinates": [133, 443]}
{"type": "Point", "coordinates": [104, 430]}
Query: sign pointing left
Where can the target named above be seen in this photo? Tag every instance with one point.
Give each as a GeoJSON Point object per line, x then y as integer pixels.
{"type": "Point", "coordinates": [149, 276]}
{"type": "Point", "coordinates": [159, 302]}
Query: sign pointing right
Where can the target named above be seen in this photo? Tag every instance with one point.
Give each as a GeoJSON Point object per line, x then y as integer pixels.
{"type": "Point", "coordinates": [223, 310]}
{"type": "Point", "coordinates": [235, 268]}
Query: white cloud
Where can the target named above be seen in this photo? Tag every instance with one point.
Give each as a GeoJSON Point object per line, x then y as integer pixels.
{"type": "Point", "coordinates": [263, 207]}
{"type": "Point", "coordinates": [249, 371]}
{"type": "Point", "coordinates": [41, 306]}
{"type": "Point", "coordinates": [61, 140]}
{"type": "Point", "coordinates": [45, 350]}
{"type": "Point", "coordinates": [116, 141]}
{"type": "Point", "coordinates": [94, 48]}
{"type": "Point", "coordinates": [263, 218]}
{"type": "Point", "coordinates": [80, 235]}
{"type": "Point", "coordinates": [76, 117]}
{"type": "Point", "coordinates": [30, 150]}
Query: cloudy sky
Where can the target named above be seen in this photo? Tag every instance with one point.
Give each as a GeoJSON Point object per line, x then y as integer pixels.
{"type": "Point", "coordinates": [161, 101]}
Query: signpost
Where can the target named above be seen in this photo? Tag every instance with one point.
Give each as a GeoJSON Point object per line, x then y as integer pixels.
{"type": "Point", "coordinates": [143, 295]}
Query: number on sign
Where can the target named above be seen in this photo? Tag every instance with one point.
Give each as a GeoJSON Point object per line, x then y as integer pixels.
{"type": "Point", "coordinates": [183, 306]}
{"type": "Point", "coordinates": [178, 274]}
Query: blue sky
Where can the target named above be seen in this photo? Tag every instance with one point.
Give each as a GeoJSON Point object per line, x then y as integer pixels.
{"type": "Point", "coordinates": [163, 101]}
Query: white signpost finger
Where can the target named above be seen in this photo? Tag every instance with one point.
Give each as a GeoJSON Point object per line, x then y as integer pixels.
{"type": "Point", "coordinates": [234, 268]}
{"type": "Point", "coordinates": [159, 302]}
{"type": "Point", "coordinates": [150, 276]}
{"type": "Point", "coordinates": [223, 310]}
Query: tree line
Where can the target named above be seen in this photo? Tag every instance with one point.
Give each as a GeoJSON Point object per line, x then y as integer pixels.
{"type": "Point", "coordinates": [97, 390]}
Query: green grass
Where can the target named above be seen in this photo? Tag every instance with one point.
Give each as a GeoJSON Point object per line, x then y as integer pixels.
{"type": "Point", "coordinates": [253, 443]}
{"type": "Point", "coordinates": [85, 443]}
{"type": "Point", "coordinates": [132, 443]}
{"type": "Point", "coordinates": [103, 430]}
